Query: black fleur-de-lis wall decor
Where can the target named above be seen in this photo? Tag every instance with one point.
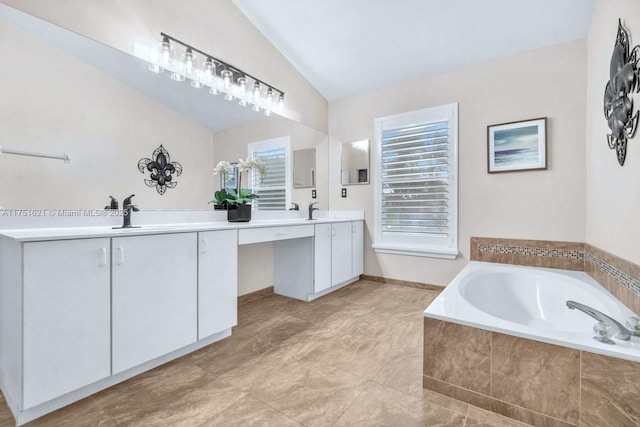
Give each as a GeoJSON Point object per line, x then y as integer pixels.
{"type": "Point", "coordinates": [162, 170]}
{"type": "Point", "coordinates": [624, 79]}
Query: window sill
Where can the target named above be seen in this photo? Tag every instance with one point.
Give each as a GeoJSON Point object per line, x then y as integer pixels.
{"type": "Point", "coordinates": [430, 252]}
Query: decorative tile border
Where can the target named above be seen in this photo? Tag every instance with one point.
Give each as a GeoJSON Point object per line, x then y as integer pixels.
{"type": "Point", "coordinates": [624, 279]}
{"type": "Point", "coordinates": [619, 276]}
{"type": "Point", "coordinates": [545, 252]}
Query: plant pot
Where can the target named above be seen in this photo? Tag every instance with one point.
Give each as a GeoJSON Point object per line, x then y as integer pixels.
{"type": "Point", "coordinates": [239, 213]}
{"type": "Point", "coordinates": [219, 207]}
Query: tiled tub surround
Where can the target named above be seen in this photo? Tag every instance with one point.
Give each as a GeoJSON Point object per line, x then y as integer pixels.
{"type": "Point", "coordinates": [534, 382]}
{"type": "Point", "coordinates": [506, 366]}
{"type": "Point", "coordinates": [619, 276]}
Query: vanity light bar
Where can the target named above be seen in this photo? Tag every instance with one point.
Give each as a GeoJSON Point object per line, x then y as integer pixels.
{"type": "Point", "coordinates": [216, 74]}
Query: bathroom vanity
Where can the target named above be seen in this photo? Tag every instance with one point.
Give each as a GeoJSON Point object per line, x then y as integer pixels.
{"type": "Point", "coordinates": [83, 308]}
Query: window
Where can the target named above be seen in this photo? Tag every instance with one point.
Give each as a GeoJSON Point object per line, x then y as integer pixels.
{"type": "Point", "coordinates": [416, 194]}
{"type": "Point", "coordinates": [274, 193]}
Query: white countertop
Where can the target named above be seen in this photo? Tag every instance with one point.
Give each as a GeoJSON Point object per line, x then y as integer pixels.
{"type": "Point", "coordinates": [30, 234]}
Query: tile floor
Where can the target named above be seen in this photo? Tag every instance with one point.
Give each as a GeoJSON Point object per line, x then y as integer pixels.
{"type": "Point", "coordinates": [351, 358]}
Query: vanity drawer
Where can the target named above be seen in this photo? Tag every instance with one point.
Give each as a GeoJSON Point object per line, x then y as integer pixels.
{"type": "Point", "coordinates": [270, 234]}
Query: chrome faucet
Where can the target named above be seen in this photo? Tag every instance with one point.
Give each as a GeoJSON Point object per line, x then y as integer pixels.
{"type": "Point", "coordinates": [622, 333]}
{"type": "Point", "coordinates": [311, 209]}
{"type": "Point", "coordinates": [295, 207]}
{"type": "Point", "coordinates": [128, 208]}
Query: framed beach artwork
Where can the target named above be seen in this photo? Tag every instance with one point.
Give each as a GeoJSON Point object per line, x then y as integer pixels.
{"type": "Point", "coordinates": [517, 146]}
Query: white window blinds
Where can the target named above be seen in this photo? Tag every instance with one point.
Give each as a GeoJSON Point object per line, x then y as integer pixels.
{"type": "Point", "coordinates": [416, 209]}
{"type": "Point", "coordinates": [273, 190]}
{"type": "Point", "coordinates": [415, 175]}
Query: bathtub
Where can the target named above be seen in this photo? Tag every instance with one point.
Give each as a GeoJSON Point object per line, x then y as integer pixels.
{"type": "Point", "coordinates": [530, 302]}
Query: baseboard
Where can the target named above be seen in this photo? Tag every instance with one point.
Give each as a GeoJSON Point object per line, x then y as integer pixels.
{"type": "Point", "coordinates": [406, 283]}
{"type": "Point", "coordinates": [252, 296]}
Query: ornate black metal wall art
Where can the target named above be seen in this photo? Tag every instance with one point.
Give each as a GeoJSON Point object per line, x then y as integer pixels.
{"type": "Point", "coordinates": [624, 79]}
{"type": "Point", "coordinates": [162, 170]}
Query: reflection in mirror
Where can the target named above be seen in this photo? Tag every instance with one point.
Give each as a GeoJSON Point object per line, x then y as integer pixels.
{"type": "Point", "coordinates": [107, 110]}
{"type": "Point", "coordinates": [354, 163]}
{"type": "Point", "coordinates": [304, 168]}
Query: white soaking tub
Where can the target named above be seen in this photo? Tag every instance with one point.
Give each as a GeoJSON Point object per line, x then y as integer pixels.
{"type": "Point", "coordinates": [530, 302]}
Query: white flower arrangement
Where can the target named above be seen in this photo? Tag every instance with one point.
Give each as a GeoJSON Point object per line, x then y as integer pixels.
{"type": "Point", "coordinates": [237, 196]}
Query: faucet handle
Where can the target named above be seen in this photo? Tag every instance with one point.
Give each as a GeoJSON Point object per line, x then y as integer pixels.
{"type": "Point", "coordinates": [633, 325]}
{"type": "Point", "coordinates": [312, 203]}
{"type": "Point", "coordinates": [127, 202]}
{"type": "Point", "coordinates": [603, 332]}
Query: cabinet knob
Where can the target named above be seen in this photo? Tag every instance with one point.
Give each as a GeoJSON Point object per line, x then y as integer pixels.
{"type": "Point", "coordinates": [203, 246]}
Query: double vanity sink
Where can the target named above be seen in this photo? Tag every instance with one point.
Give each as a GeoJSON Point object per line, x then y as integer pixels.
{"type": "Point", "coordinates": [83, 308]}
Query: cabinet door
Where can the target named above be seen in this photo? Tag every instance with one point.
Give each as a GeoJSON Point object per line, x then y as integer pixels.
{"type": "Point", "coordinates": [341, 253]}
{"type": "Point", "coordinates": [357, 245]}
{"type": "Point", "coordinates": [217, 281]}
{"type": "Point", "coordinates": [322, 257]}
{"type": "Point", "coordinates": [154, 296]}
{"type": "Point", "coordinates": [66, 317]}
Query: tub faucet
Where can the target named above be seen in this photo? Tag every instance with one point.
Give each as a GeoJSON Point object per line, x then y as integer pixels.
{"type": "Point", "coordinates": [622, 333]}
{"type": "Point", "coordinates": [311, 209]}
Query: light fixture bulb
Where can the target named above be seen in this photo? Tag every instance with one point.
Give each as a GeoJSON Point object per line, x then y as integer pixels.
{"type": "Point", "coordinates": [226, 78]}
{"type": "Point", "coordinates": [269, 100]}
{"type": "Point", "coordinates": [242, 91]}
{"type": "Point", "coordinates": [165, 53]}
{"type": "Point", "coordinates": [208, 71]}
{"type": "Point", "coordinates": [281, 102]}
{"type": "Point", "coordinates": [189, 62]}
{"type": "Point", "coordinates": [227, 83]}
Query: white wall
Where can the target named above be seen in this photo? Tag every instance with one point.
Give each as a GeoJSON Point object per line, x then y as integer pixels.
{"type": "Point", "coordinates": [214, 26]}
{"type": "Point", "coordinates": [537, 205]}
{"type": "Point", "coordinates": [613, 192]}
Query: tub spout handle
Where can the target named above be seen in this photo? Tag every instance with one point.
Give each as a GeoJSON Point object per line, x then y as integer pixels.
{"type": "Point", "coordinates": [622, 333]}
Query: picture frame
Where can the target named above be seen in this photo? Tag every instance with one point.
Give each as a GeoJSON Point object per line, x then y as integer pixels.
{"type": "Point", "coordinates": [517, 146]}
{"type": "Point", "coordinates": [231, 182]}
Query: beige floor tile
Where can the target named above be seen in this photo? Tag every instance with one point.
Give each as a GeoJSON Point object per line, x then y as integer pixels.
{"type": "Point", "coordinates": [174, 395]}
{"type": "Point", "coordinates": [85, 413]}
{"type": "Point", "coordinates": [382, 406]}
{"type": "Point", "coordinates": [313, 394]}
{"type": "Point", "coordinates": [249, 412]}
{"type": "Point", "coordinates": [239, 350]}
{"type": "Point", "coordinates": [478, 417]}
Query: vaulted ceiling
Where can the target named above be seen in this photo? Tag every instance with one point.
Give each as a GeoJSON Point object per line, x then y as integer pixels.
{"type": "Point", "coordinates": [346, 47]}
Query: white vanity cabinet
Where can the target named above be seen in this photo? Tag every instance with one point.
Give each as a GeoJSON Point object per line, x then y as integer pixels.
{"type": "Point", "coordinates": [217, 281]}
{"type": "Point", "coordinates": [82, 309]}
{"type": "Point", "coordinates": [66, 317]}
{"type": "Point", "coordinates": [337, 254]}
{"type": "Point", "coordinates": [154, 296]}
{"type": "Point", "coordinates": [357, 248]}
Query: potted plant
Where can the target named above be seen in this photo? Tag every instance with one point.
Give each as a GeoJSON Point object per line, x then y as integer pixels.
{"type": "Point", "coordinates": [238, 200]}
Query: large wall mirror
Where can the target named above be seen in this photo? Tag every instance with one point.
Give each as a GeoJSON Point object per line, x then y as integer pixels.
{"type": "Point", "coordinates": [107, 111]}
{"type": "Point", "coordinates": [354, 163]}
{"type": "Point", "coordinates": [304, 168]}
